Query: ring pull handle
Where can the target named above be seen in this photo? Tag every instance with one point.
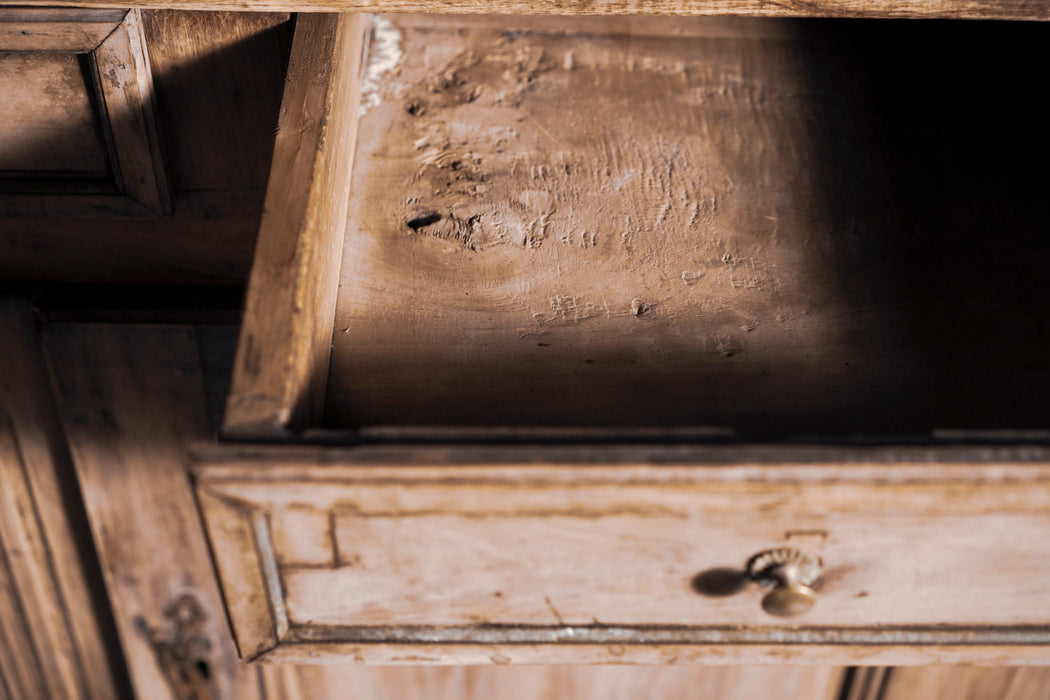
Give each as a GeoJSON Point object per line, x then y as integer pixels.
{"type": "Point", "coordinates": [790, 572]}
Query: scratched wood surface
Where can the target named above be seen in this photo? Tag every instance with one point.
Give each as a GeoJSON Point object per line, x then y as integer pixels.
{"type": "Point", "coordinates": [282, 359]}
{"type": "Point", "coordinates": [963, 9]}
{"type": "Point", "coordinates": [547, 555]}
{"type": "Point", "coordinates": [56, 29]}
{"type": "Point", "coordinates": [768, 226]}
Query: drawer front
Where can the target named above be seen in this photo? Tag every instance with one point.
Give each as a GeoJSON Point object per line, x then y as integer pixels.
{"type": "Point", "coordinates": [529, 557]}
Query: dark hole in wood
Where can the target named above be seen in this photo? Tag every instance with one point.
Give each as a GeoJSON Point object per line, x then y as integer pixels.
{"type": "Point", "coordinates": [423, 220]}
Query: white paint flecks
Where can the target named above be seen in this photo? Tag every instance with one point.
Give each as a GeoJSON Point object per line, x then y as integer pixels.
{"type": "Point", "coordinates": [383, 56]}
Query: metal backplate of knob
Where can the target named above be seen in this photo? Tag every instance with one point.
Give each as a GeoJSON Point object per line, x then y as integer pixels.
{"type": "Point", "coordinates": [790, 572]}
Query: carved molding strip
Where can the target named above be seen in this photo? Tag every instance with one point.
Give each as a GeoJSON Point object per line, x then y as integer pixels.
{"type": "Point", "coordinates": [112, 50]}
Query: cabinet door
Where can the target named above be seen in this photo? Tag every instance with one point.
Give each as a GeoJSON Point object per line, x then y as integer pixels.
{"type": "Point", "coordinates": [52, 641]}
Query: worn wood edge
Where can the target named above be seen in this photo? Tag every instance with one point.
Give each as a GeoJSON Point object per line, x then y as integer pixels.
{"type": "Point", "coordinates": [61, 576]}
{"type": "Point", "coordinates": [665, 654]}
{"type": "Point", "coordinates": [510, 634]}
{"type": "Point", "coordinates": [281, 366]}
{"type": "Point", "coordinates": [28, 562]}
{"type": "Point", "coordinates": [50, 30]}
{"type": "Point", "coordinates": [62, 14]}
{"type": "Point", "coordinates": [598, 643]}
{"type": "Point", "coordinates": [218, 463]}
{"type": "Point", "coordinates": [240, 561]}
{"type": "Point", "coordinates": [963, 9]}
{"type": "Point", "coordinates": [125, 84]}
{"type": "Point", "coordinates": [131, 398]}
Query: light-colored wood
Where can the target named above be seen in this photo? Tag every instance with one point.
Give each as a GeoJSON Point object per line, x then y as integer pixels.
{"type": "Point", "coordinates": [132, 398]}
{"type": "Point", "coordinates": [282, 359]}
{"type": "Point", "coordinates": [79, 31]}
{"type": "Point", "coordinates": [53, 644]}
{"type": "Point", "coordinates": [126, 87]}
{"type": "Point", "coordinates": [963, 9]}
{"type": "Point", "coordinates": [400, 653]}
{"type": "Point", "coordinates": [865, 683]}
{"type": "Point", "coordinates": [548, 682]}
{"type": "Point", "coordinates": [509, 552]}
{"type": "Point", "coordinates": [974, 683]}
{"type": "Point", "coordinates": [559, 226]}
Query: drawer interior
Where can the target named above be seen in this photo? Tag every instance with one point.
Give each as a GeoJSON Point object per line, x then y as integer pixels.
{"type": "Point", "coordinates": [761, 226]}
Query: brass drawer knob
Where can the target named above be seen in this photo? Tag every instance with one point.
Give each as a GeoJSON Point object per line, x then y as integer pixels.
{"type": "Point", "coordinates": [790, 572]}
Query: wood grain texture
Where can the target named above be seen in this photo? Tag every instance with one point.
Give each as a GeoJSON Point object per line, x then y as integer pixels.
{"type": "Point", "coordinates": [126, 86]}
{"type": "Point", "coordinates": [54, 643]}
{"type": "Point", "coordinates": [453, 555]}
{"type": "Point", "coordinates": [282, 358]}
{"type": "Point", "coordinates": [979, 683]}
{"type": "Point", "coordinates": [963, 9]}
{"type": "Point", "coordinates": [761, 226]}
{"type": "Point", "coordinates": [79, 31]}
{"type": "Point", "coordinates": [546, 682]}
{"type": "Point", "coordinates": [132, 398]}
{"type": "Point", "coordinates": [209, 241]}
{"type": "Point", "coordinates": [217, 79]}
{"type": "Point", "coordinates": [48, 124]}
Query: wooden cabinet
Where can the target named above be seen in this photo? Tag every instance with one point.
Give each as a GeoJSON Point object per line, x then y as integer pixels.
{"type": "Point", "coordinates": [599, 555]}
{"type": "Point", "coordinates": [578, 321]}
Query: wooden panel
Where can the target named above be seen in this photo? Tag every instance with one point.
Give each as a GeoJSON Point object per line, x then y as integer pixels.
{"type": "Point", "coordinates": [545, 682]}
{"type": "Point", "coordinates": [502, 554]}
{"type": "Point", "coordinates": [132, 398]}
{"type": "Point", "coordinates": [79, 31]}
{"type": "Point", "coordinates": [764, 226]}
{"type": "Point", "coordinates": [988, 9]}
{"type": "Point", "coordinates": [54, 644]}
{"type": "Point", "coordinates": [944, 683]}
{"type": "Point", "coordinates": [48, 124]}
{"type": "Point", "coordinates": [218, 78]}
{"type": "Point", "coordinates": [209, 241]}
{"type": "Point", "coordinates": [126, 87]}
{"type": "Point", "coordinates": [282, 358]}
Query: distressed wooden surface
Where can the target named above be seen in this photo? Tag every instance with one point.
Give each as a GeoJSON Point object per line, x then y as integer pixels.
{"type": "Point", "coordinates": [125, 82]}
{"type": "Point", "coordinates": [282, 360]}
{"type": "Point", "coordinates": [62, 30]}
{"type": "Point", "coordinates": [217, 83]}
{"type": "Point", "coordinates": [47, 122]}
{"type": "Point", "coordinates": [540, 682]}
{"type": "Point", "coordinates": [53, 623]}
{"type": "Point", "coordinates": [131, 399]}
{"type": "Point", "coordinates": [461, 554]}
{"type": "Point", "coordinates": [963, 9]}
{"type": "Point", "coordinates": [974, 683]}
{"type": "Point", "coordinates": [765, 226]}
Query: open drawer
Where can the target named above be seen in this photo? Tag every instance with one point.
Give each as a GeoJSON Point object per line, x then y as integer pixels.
{"type": "Point", "coordinates": [579, 316]}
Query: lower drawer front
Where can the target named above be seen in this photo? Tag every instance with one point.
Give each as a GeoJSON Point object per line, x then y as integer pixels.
{"type": "Point", "coordinates": [524, 559]}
